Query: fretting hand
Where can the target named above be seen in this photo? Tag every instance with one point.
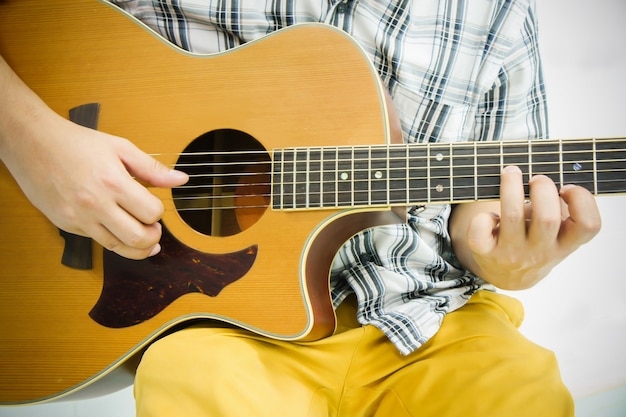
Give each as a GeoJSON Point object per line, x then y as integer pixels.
{"type": "Point", "coordinates": [514, 244]}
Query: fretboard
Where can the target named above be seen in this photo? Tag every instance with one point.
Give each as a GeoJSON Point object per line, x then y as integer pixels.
{"type": "Point", "coordinates": [390, 175]}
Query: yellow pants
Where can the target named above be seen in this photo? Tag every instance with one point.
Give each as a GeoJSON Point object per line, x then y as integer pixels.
{"type": "Point", "coordinates": [478, 364]}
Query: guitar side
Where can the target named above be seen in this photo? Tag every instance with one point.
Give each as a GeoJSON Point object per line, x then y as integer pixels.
{"type": "Point", "coordinates": [284, 90]}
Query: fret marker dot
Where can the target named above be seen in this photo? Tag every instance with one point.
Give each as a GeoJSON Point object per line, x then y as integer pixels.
{"type": "Point", "coordinates": [439, 157]}
{"type": "Point", "coordinates": [344, 176]}
{"type": "Point", "coordinates": [378, 175]}
{"type": "Point", "coordinates": [577, 166]}
{"type": "Point", "coordinates": [439, 188]}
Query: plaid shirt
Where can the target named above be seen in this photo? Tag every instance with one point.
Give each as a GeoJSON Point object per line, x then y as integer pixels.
{"type": "Point", "coordinates": [457, 70]}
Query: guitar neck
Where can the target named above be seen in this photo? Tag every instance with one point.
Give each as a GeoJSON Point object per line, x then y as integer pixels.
{"type": "Point", "coordinates": [391, 175]}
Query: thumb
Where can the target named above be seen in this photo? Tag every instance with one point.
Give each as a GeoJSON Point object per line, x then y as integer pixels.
{"type": "Point", "coordinates": [482, 236]}
{"type": "Point", "coordinates": [147, 169]}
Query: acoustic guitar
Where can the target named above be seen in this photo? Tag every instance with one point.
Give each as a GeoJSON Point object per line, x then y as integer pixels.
{"type": "Point", "coordinates": [287, 142]}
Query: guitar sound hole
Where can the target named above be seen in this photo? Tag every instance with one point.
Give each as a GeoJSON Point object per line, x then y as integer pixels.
{"type": "Point", "coordinates": [229, 184]}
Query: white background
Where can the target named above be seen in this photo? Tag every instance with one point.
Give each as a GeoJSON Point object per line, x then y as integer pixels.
{"type": "Point", "coordinates": [580, 311]}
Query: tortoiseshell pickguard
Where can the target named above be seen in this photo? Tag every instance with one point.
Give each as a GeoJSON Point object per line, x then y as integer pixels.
{"type": "Point", "coordinates": [135, 291]}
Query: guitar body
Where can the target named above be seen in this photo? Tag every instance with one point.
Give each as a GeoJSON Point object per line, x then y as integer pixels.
{"type": "Point", "coordinates": [58, 330]}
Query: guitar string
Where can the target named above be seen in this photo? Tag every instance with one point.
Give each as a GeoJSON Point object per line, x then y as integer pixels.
{"type": "Point", "coordinates": [455, 158]}
{"type": "Point", "coordinates": [368, 149]}
{"type": "Point", "coordinates": [213, 200]}
{"type": "Point", "coordinates": [415, 148]}
{"type": "Point", "coordinates": [356, 183]}
{"type": "Point", "coordinates": [404, 148]}
{"type": "Point", "coordinates": [331, 203]}
{"type": "Point", "coordinates": [577, 168]}
{"type": "Point", "coordinates": [426, 146]}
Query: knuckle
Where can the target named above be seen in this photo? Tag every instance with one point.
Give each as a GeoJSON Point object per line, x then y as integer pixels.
{"type": "Point", "coordinates": [123, 250]}
{"type": "Point", "coordinates": [548, 221]}
{"type": "Point", "coordinates": [514, 216]}
{"type": "Point", "coordinates": [111, 182]}
{"type": "Point", "coordinates": [112, 245]}
{"type": "Point", "coordinates": [514, 260]}
{"type": "Point", "coordinates": [137, 239]}
{"type": "Point", "coordinates": [134, 240]}
{"type": "Point", "coordinates": [69, 218]}
{"type": "Point", "coordinates": [154, 213]}
{"type": "Point", "coordinates": [143, 237]}
{"type": "Point", "coordinates": [157, 166]}
{"type": "Point", "coordinates": [591, 225]}
{"type": "Point", "coordinates": [86, 199]}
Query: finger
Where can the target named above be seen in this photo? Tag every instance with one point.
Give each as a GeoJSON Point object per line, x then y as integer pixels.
{"type": "Point", "coordinates": [482, 233]}
{"type": "Point", "coordinates": [512, 213]}
{"type": "Point", "coordinates": [584, 219]}
{"type": "Point", "coordinates": [131, 232]}
{"type": "Point", "coordinates": [140, 203]}
{"type": "Point", "coordinates": [146, 168]}
{"type": "Point", "coordinates": [109, 241]}
{"type": "Point", "coordinates": [545, 216]}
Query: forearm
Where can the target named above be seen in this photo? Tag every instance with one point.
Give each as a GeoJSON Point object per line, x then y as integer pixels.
{"type": "Point", "coordinates": [22, 113]}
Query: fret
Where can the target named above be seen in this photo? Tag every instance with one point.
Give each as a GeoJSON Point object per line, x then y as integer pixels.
{"type": "Point", "coordinates": [361, 176]}
{"type": "Point", "coordinates": [560, 162]}
{"type": "Point", "coordinates": [439, 172]}
{"type": "Point", "coordinates": [595, 168]}
{"type": "Point", "coordinates": [610, 162]}
{"type": "Point", "coordinates": [315, 177]}
{"type": "Point", "coordinates": [289, 180]}
{"type": "Point", "coordinates": [277, 180]}
{"type": "Point", "coordinates": [529, 160]}
{"type": "Point", "coordinates": [545, 160]}
{"type": "Point", "coordinates": [463, 167]}
{"type": "Point", "coordinates": [288, 187]}
{"type": "Point", "coordinates": [398, 176]}
{"type": "Point", "coordinates": [451, 197]}
{"type": "Point", "coordinates": [418, 179]}
{"type": "Point", "coordinates": [301, 191]}
{"type": "Point", "coordinates": [577, 158]}
{"type": "Point", "coordinates": [516, 153]}
{"type": "Point", "coordinates": [428, 177]}
{"type": "Point", "coordinates": [488, 169]}
{"type": "Point", "coordinates": [329, 177]}
{"type": "Point", "coordinates": [379, 175]}
{"type": "Point", "coordinates": [345, 177]}
{"type": "Point", "coordinates": [475, 145]}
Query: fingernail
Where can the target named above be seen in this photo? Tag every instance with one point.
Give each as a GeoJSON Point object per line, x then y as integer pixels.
{"type": "Point", "coordinates": [512, 168]}
{"type": "Point", "coordinates": [178, 175]}
{"type": "Point", "coordinates": [155, 250]}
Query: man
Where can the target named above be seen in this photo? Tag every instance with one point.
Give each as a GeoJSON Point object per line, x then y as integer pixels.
{"type": "Point", "coordinates": [432, 337]}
